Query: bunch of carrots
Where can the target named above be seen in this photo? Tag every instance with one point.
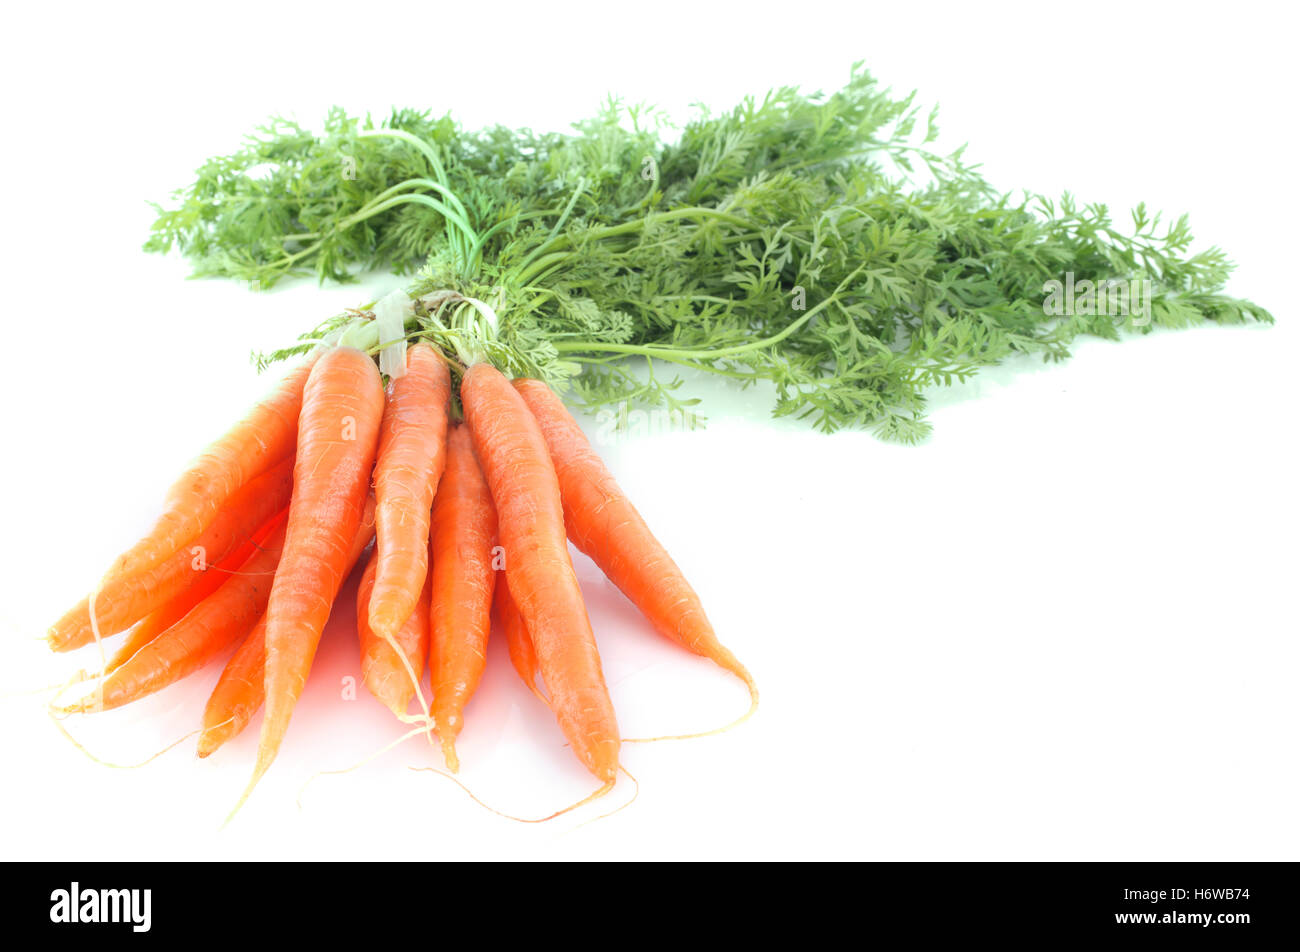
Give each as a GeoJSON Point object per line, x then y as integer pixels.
{"type": "Point", "coordinates": [469, 503]}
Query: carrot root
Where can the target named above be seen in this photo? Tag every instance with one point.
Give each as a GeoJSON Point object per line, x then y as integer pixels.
{"type": "Point", "coordinates": [359, 764]}
{"type": "Point", "coordinates": [636, 792]}
{"type": "Point", "coordinates": [753, 707]}
{"type": "Point", "coordinates": [591, 797]}
{"type": "Point", "coordinates": [58, 723]}
{"type": "Point", "coordinates": [605, 788]}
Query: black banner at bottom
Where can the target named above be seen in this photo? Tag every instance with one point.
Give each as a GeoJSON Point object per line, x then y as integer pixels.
{"type": "Point", "coordinates": [1220, 902]}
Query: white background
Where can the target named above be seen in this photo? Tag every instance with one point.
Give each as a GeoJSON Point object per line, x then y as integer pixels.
{"type": "Point", "coordinates": [1064, 628]}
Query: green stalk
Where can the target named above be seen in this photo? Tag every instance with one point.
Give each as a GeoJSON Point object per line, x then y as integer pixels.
{"type": "Point", "coordinates": [526, 273]}
{"type": "Point", "coordinates": [668, 353]}
{"type": "Point", "coordinates": [442, 185]}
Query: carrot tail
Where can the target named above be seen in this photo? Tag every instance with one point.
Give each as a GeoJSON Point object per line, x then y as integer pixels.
{"type": "Point", "coordinates": [595, 795]}
{"type": "Point", "coordinates": [749, 712]}
{"type": "Point", "coordinates": [108, 763]}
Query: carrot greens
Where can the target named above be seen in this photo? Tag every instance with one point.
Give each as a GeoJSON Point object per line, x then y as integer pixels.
{"type": "Point", "coordinates": [814, 241]}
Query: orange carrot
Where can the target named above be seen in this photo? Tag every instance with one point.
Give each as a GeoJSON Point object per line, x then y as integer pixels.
{"type": "Point", "coordinates": [158, 621]}
{"type": "Point", "coordinates": [530, 516]}
{"type": "Point", "coordinates": [463, 534]}
{"type": "Point", "coordinates": [518, 644]}
{"type": "Point", "coordinates": [239, 694]}
{"type": "Point", "coordinates": [338, 433]}
{"type": "Point", "coordinates": [225, 616]}
{"type": "Point", "coordinates": [125, 600]}
{"type": "Point", "coordinates": [241, 690]}
{"type": "Point", "coordinates": [260, 440]}
{"type": "Point", "coordinates": [412, 441]}
{"type": "Point", "coordinates": [389, 678]}
{"type": "Point", "coordinates": [603, 524]}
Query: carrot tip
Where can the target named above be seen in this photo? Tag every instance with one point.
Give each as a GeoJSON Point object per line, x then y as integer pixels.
{"type": "Point", "coordinates": [212, 736]}
{"type": "Point", "coordinates": [385, 624]}
{"type": "Point", "coordinates": [449, 755]}
{"type": "Point", "coordinates": [263, 762]}
{"type": "Point", "coordinates": [636, 792]}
